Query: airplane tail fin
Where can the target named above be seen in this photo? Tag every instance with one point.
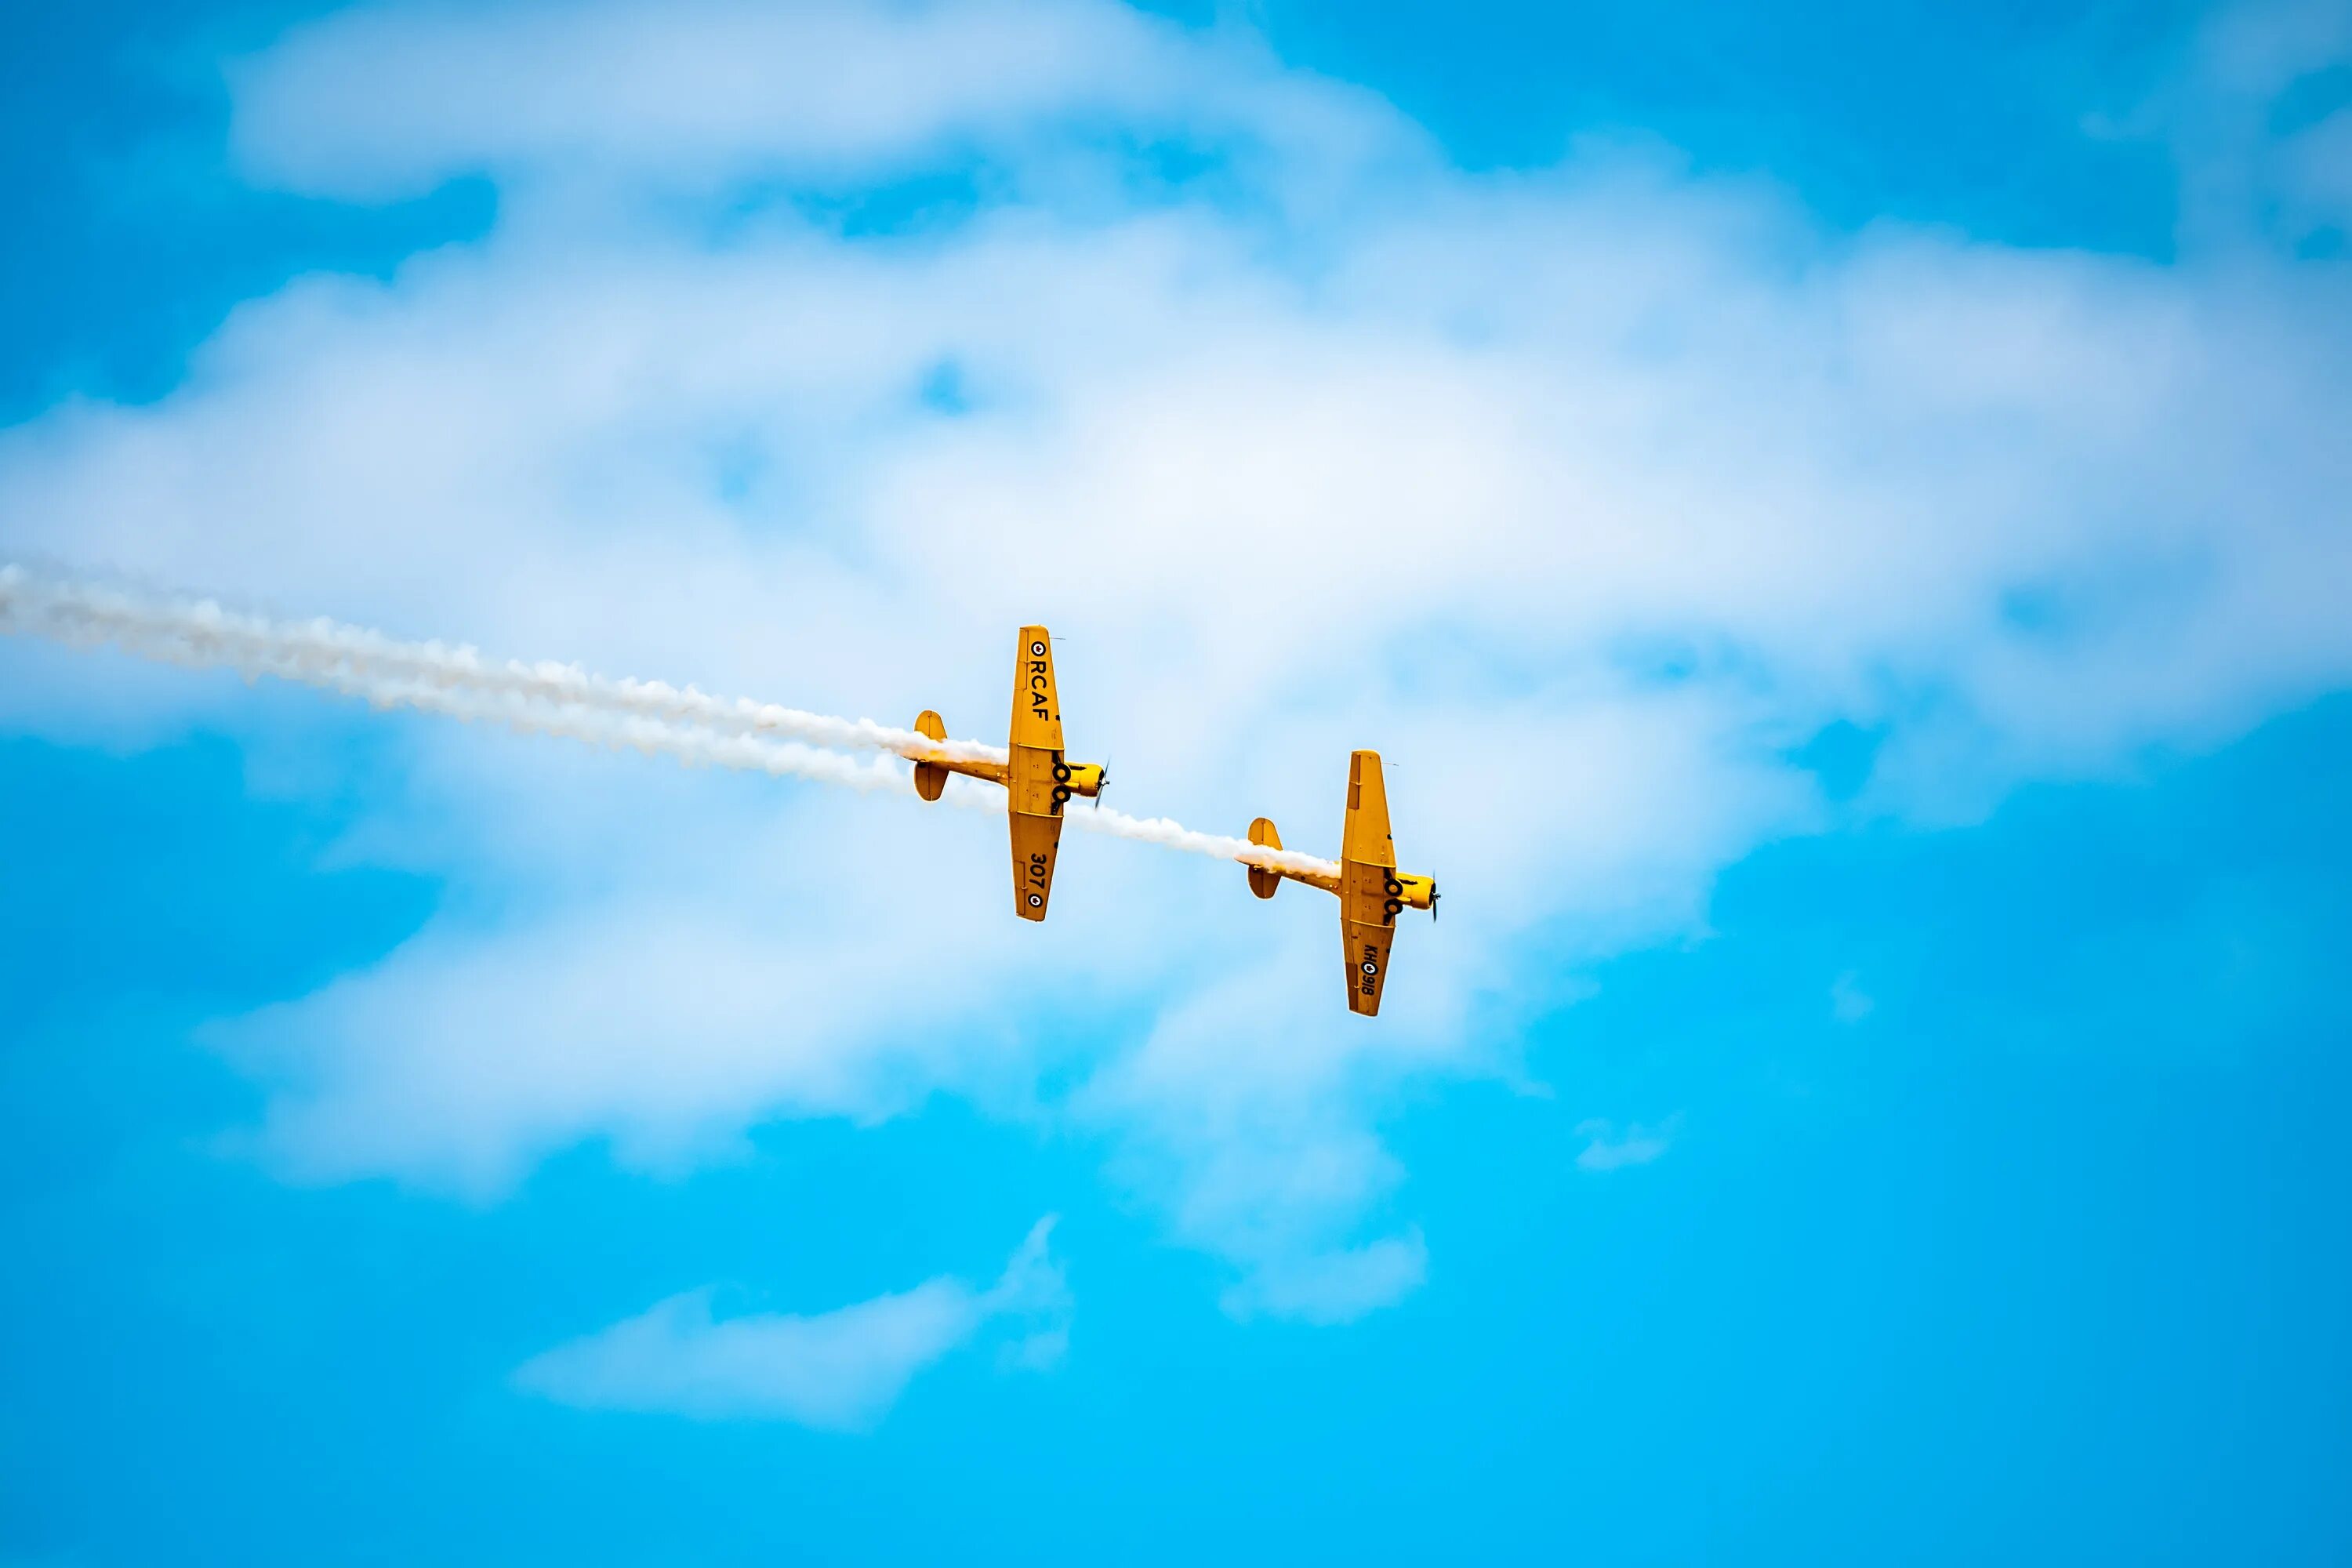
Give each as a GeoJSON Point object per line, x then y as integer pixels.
{"type": "Point", "coordinates": [1261, 881]}
{"type": "Point", "coordinates": [931, 778]}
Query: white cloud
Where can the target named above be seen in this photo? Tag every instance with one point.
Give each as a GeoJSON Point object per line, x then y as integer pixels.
{"type": "Point", "coordinates": [1607, 1149]}
{"type": "Point", "coordinates": [381, 100]}
{"type": "Point", "coordinates": [1335, 1286]}
{"type": "Point", "coordinates": [1585, 495]}
{"type": "Point", "coordinates": [841, 1370]}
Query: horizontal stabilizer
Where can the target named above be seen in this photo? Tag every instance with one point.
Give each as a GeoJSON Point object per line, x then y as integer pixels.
{"type": "Point", "coordinates": [931, 778]}
{"type": "Point", "coordinates": [1263, 881]}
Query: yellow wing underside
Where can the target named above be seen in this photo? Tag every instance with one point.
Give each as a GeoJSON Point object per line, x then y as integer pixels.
{"type": "Point", "coordinates": [1365, 838]}
{"type": "Point", "coordinates": [1366, 870]}
{"type": "Point", "coordinates": [1366, 954]}
{"type": "Point", "coordinates": [1036, 840]}
{"type": "Point", "coordinates": [1037, 707]}
{"type": "Point", "coordinates": [1029, 782]}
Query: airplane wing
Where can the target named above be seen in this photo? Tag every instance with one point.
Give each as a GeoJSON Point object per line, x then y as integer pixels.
{"type": "Point", "coordinates": [1037, 707]}
{"type": "Point", "coordinates": [1367, 944]}
{"type": "Point", "coordinates": [1035, 841]}
{"type": "Point", "coordinates": [1367, 877]}
{"type": "Point", "coordinates": [1365, 837]}
{"type": "Point", "coordinates": [1031, 787]}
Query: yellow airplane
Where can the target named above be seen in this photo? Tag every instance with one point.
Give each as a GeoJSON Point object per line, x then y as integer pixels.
{"type": "Point", "coordinates": [1371, 890]}
{"type": "Point", "coordinates": [1037, 782]}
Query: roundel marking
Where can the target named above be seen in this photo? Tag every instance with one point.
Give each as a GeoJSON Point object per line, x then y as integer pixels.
{"type": "Point", "coordinates": [1036, 899]}
{"type": "Point", "coordinates": [1370, 968]}
{"type": "Point", "coordinates": [1036, 650]}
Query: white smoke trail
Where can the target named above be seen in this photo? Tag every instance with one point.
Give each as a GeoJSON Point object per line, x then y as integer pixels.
{"type": "Point", "coordinates": [155, 628]}
{"type": "Point", "coordinates": [653, 737]}
{"type": "Point", "coordinates": [1171, 835]}
{"type": "Point", "coordinates": [546, 698]}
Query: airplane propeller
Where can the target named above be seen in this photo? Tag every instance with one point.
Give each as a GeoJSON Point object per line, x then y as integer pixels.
{"type": "Point", "coordinates": [1103, 783]}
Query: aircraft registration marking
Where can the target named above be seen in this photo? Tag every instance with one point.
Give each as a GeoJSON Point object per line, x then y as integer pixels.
{"type": "Point", "coordinates": [1040, 681]}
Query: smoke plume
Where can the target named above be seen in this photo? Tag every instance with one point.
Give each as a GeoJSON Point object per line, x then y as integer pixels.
{"type": "Point", "coordinates": [546, 698]}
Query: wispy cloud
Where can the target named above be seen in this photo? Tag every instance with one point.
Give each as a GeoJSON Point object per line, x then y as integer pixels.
{"type": "Point", "coordinates": [1336, 1286]}
{"type": "Point", "coordinates": [841, 1370]}
{"type": "Point", "coordinates": [386, 98]}
{"type": "Point", "coordinates": [1609, 1148]}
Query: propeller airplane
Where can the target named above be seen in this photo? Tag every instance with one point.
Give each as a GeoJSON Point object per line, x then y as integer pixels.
{"type": "Point", "coordinates": [1038, 779]}
{"type": "Point", "coordinates": [1371, 890]}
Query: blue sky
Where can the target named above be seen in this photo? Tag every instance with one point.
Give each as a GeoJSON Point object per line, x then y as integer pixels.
{"type": "Point", "coordinates": [1836, 523]}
